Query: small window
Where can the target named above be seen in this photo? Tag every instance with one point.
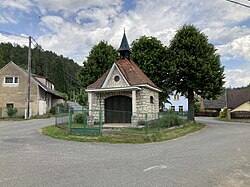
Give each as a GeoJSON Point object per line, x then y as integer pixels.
{"type": "Point", "coordinates": [176, 97]}
{"type": "Point", "coordinates": [117, 78]}
{"type": "Point", "coordinates": [10, 105]}
{"type": "Point", "coordinates": [172, 108]}
{"type": "Point", "coordinates": [11, 80]}
{"type": "Point", "coordinates": [151, 99]}
{"type": "Point", "coordinates": [180, 108]}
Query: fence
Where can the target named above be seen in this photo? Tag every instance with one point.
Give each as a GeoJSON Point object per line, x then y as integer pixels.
{"type": "Point", "coordinates": [240, 115]}
{"type": "Point", "coordinates": [92, 122]}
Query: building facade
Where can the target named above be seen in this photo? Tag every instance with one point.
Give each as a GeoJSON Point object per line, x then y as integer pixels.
{"type": "Point", "coordinates": [13, 92]}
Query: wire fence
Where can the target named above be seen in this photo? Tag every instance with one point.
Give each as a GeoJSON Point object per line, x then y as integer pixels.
{"type": "Point", "coordinates": [96, 122]}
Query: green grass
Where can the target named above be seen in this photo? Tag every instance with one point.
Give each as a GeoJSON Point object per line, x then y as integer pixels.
{"type": "Point", "coordinates": [59, 133]}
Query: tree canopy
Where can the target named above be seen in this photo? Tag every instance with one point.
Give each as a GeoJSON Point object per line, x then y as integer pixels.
{"type": "Point", "coordinates": [195, 66]}
{"type": "Point", "coordinates": [149, 54]}
{"type": "Point", "coordinates": [100, 59]}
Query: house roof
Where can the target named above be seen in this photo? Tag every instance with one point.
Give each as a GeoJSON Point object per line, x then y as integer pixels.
{"type": "Point", "coordinates": [215, 104]}
{"type": "Point", "coordinates": [236, 97]}
{"type": "Point", "coordinates": [131, 72]}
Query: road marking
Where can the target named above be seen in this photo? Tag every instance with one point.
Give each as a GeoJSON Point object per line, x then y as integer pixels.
{"type": "Point", "coordinates": [160, 167]}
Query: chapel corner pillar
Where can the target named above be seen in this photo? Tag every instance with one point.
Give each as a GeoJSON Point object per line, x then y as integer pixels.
{"type": "Point", "coordinates": [134, 111]}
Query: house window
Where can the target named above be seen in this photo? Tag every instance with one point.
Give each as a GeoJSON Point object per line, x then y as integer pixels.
{"type": "Point", "coordinates": [10, 105]}
{"type": "Point", "coordinates": [176, 97]}
{"type": "Point", "coordinates": [11, 80]}
{"type": "Point", "coordinates": [172, 108]}
{"type": "Point", "coordinates": [151, 99]}
{"type": "Point", "coordinates": [180, 108]}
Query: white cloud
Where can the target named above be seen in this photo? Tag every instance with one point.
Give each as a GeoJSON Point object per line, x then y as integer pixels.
{"type": "Point", "coordinates": [234, 80]}
{"type": "Point", "coordinates": [24, 5]}
{"type": "Point", "coordinates": [7, 19]}
{"type": "Point", "coordinates": [238, 48]}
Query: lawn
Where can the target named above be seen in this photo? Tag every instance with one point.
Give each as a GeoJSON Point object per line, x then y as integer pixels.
{"type": "Point", "coordinates": [129, 137]}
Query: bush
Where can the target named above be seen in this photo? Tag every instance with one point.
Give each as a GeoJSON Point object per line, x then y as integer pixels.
{"type": "Point", "coordinates": [78, 118]}
{"type": "Point", "coordinates": [53, 110]}
{"type": "Point", "coordinates": [171, 120]}
{"type": "Point", "coordinates": [223, 113]}
{"type": "Point", "coordinates": [11, 111]}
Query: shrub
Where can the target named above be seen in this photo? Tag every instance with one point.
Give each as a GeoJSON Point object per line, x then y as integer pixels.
{"type": "Point", "coordinates": [78, 118]}
{"type": "Point", "coordinates": [11, 111]}
{"type": "Point", "coordinates": [223, 112]}
{"type": "Point", "coordinates": [170, 120]}
{"type": "Point", "coordinates": [53, 110]}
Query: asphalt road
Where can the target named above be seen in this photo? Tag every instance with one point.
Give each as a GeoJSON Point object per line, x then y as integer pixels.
{"type": "Point", "coordinates": [218, 155]}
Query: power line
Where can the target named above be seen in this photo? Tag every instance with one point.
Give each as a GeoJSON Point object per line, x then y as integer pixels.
{"type": "Point", "coordinates": [238, 3]}
{"type": "Point", "coordinates": [13, 34]}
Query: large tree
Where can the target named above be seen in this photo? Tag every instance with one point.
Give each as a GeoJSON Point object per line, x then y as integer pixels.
{"type": "Point", "coordinates": [149, 54]}
{"type": "Point", "coordinates": [195, 66]}
{"type": "Point", "coordinates": [100, 59]}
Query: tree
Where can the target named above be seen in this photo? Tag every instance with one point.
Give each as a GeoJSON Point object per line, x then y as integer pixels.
{"type": "Point", "coordinates": [149, 54]}
{"type": "Point", "coordinates": [100, 59]}
{"type": "Point", "coordinates": [1, 58]}
{"type": "Point", "coordinates": [195, 66]}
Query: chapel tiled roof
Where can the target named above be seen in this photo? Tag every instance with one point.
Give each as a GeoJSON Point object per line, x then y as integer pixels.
{"type": "Point", "coordinates": [236, 97]}
{"type": "Point", "coordinates": [131, 72]}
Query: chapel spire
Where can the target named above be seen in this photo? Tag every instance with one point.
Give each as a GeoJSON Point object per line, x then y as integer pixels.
{"type": "Point", "coordinates": [124, 49]}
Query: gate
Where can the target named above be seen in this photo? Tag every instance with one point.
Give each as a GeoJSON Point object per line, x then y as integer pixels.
{"type": "Point", "coordinates": [118, 109]}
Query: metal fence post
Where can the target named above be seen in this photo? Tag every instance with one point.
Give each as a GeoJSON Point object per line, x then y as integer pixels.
{"type": "Point", "coordinates": [70, 119]}
{"type": "Point", "coordinates": [100, 118]}
{"type": "Point", "coordinates": [158, 121]}
{"type": "Point", "coordinates": [146, 123]}
{"type": "Point", "coordinates": [84, 118]}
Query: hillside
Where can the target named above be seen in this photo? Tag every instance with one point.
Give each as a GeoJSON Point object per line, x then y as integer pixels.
{"type": "Point", "coordinates": [60, 70]}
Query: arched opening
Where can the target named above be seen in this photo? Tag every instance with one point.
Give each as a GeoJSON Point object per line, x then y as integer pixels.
{"type": "Point", "coordinates": [118, 109]}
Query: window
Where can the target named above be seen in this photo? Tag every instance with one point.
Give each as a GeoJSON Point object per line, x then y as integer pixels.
{"type": "Point", "coordinates": [11, 80]}
{"type": "Point", "coordinates": [172, 108]}
{"type": "Point", "coordinates": [180, 108]}
{"type": "Point", "coordinates": [10, 105]}
{"type": "Point", "coordinates": [176, 97]}
{"type": "Point", "coordinates": [117, 78]}
{"type": "Point", "coordinates": [151, 99]}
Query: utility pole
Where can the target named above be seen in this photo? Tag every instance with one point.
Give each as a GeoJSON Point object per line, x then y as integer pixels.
{"type": "Point", "coordinates": [28, 89]}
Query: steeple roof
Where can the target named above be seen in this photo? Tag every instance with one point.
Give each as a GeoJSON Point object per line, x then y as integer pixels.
{"type": "Point", "coordinates": [124, 44]}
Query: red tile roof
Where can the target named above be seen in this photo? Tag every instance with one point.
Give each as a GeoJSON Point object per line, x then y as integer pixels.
{"type": "Point", "coordinates": [132, 73]}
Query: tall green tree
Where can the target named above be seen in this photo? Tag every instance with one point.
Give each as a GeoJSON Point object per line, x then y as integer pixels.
{"type": "Point", "coordinates": [1, 58]}
{"type": "Point", "coordinates": [149, 54]}
{"type": "Point", "coordinates": [195, 66]}
{"type": "Point", "coordinates": [100, 59]}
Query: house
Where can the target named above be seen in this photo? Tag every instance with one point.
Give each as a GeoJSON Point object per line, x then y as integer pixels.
{"type": "Point", "coordinates": [238, 102]}
{"type": "Point", "coordinates": [13, 92]}
{"type": "Point", "coordinates": [212, 107]}
{"type": "Point", "coordinates": [177, 102]}
{"type": "Point", "coordinates": [124, 92]}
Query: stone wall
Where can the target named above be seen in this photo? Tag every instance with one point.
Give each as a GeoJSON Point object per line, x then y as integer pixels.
{"type": "Point", "coordinates": [144, 105]}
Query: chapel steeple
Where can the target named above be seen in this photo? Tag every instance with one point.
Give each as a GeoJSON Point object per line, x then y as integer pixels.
{"type": "Point", "coordinates": [124, 49]}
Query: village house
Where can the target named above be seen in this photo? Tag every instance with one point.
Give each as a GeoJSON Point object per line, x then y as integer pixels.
{"type": "Point", "coordinates": [177, 103]}
{"type": "Point", "coordinates": [13, 92]}
{"type": "Point", "coordinates": [124, 92]}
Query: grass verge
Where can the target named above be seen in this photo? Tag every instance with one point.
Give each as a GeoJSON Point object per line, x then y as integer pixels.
{"type": "Point", "coordinates": [59, 133]}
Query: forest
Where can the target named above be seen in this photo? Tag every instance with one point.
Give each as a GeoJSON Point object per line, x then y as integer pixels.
{"type": "Point", "coordinates": [58, 69]}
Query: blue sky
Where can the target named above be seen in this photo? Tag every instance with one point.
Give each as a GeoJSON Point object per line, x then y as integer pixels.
{"type": "Point", "coordinates": [71, 27]}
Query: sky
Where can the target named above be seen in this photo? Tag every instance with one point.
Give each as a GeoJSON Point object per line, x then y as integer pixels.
{"type": "Point", "coordinates": [72, 27]}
